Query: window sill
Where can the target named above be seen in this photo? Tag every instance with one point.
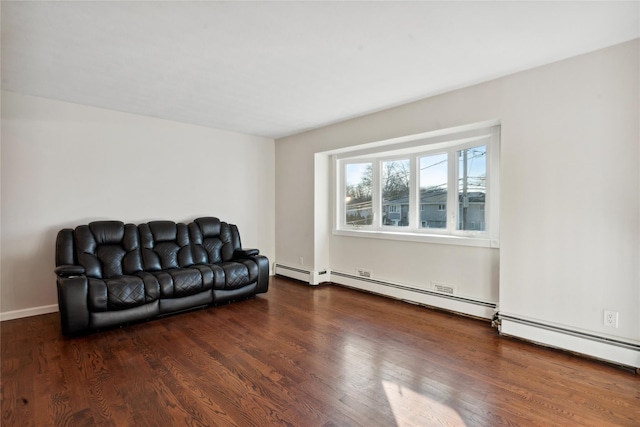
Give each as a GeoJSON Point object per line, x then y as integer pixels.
{"type": "Point", "coordinates": [445, 239]}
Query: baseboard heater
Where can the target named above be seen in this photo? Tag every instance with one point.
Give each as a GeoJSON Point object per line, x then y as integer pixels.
{"type": "Point", "coordinates": [455, 303]}
{"type": "Point", "coordinates": [600, 347]}
{"type": "Point", "coordinates": [311, 277]}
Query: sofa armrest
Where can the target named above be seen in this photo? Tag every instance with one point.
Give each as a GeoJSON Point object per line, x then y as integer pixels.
{"type": "Point", "coordinates": [73, 295]}
{"type": "Point", "coordinates": [69, 270]}
{"type": "Point", "coordinates": [263, 273]}
{"type": "Point", "coordinates": [245, 253]}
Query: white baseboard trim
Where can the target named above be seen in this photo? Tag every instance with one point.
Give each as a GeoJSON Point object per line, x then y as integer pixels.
{"type": "Point", "coordinates": [612, 350]}
{"type": "Point", "coordinates": [304, 275]}
{"type": "Point", "coordinates": [28, 312]}
{"type": "Point", "coordinates": [458, 304]}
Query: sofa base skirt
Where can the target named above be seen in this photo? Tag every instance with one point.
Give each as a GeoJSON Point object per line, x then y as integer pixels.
{"type": "Point", "coordinates": [225, 295]}
{"type": "Point", "coordinates": [107, 319]}
{"type": "Point", "coordinates": [172, 305]}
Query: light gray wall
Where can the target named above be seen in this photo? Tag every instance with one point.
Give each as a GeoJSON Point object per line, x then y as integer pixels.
{"type": "Point", "coordinates": [570, 204]}
{"type": "Point", "coordinates": [65, 164]}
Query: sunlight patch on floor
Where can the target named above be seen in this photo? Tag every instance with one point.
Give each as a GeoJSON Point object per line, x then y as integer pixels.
{"type": "Point", "coordinates": [413, 409]}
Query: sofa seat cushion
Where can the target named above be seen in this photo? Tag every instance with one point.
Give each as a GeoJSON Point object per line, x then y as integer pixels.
{"type": "Point", "coordinates": [117, 293]}
{"type": "Point", "coordinates": [181, 282]}
{"type": "Point", "coordinates": [239, 274]}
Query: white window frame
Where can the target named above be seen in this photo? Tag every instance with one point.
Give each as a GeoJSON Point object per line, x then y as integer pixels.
{"type": "Point", "coordinates": [413, 147]}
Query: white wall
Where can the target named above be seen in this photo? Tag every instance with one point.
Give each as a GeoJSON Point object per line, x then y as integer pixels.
{"type": "Point", "coordinates": [65, 164]}
{"type": "Point", "coordinates": [570, 199]}
{"type": "Point", "coordinates": [573, 249]}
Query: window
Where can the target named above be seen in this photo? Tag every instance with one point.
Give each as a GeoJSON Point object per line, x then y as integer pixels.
{"type": "Point", "coordinates": [359, 190]}
{"type": "Point", "coordinates": [395, 188]}
{"type": "Point", "coordinates": [441, 188]}
{"type": "Point", "coordinates": [472, 187]}
{"type": "Point", "coordinates": [433, 190]}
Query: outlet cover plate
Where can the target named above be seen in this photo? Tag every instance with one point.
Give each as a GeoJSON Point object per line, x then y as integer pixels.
{"type": "Point", "coordinates": [611, 318]}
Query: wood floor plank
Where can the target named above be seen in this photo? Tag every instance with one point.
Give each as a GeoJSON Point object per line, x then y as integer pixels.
{"type": "Point", "coordinates": [303, 356]}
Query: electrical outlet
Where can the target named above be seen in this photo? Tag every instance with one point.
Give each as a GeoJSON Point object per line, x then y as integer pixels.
{"type": "Point", "coordinates": [301, 261]}
{"type": "Point", "coordinates": [611, 318]}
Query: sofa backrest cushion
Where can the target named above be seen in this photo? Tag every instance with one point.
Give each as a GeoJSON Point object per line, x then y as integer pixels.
{"type": "Point", "coordinates": [165, 245]}
{"type": "Point", "coordinates": [111, 248]}
{"type": "Point", "coordinates": [211, 240]}
{"type": "Point", "coordinates": [108, 248]}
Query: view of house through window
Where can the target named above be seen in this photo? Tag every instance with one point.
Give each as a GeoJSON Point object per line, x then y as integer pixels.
{"type": "Point", "coordinates": [439, 187]}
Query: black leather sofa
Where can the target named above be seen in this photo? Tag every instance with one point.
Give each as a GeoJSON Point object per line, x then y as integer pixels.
{"type": "Point", "coordinates": [110, 273]}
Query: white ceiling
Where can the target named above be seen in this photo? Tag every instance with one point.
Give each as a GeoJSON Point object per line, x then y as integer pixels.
{"type": "Point", "coordinates": [279, 68]}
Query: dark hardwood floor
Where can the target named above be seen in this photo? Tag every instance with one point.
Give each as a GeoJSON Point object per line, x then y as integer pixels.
{"type": "Point", "coordinates": [304, 356]}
